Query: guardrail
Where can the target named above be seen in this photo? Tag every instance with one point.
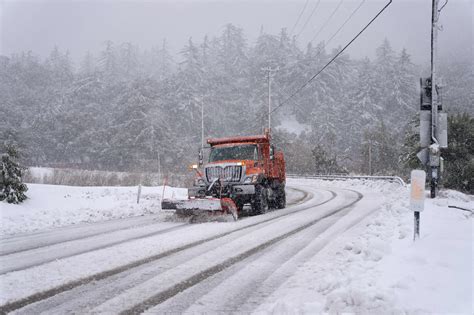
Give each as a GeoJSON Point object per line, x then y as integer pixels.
{"type": "Point", "coordinates": [395, 179]}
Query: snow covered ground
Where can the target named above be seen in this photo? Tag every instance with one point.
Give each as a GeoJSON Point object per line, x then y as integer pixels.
{"type": "Point", "coordinates": [361, 261]}
{"type": "Point", "coordinates": [377, 268]}
{"type": "Point", "coordinates": [51, 206]}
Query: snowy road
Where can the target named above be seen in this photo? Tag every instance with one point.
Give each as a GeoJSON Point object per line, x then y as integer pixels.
{"type": "Point", "coordinates": [138, 264]}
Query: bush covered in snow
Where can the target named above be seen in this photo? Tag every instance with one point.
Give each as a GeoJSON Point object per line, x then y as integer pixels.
{"type": "Point", "coordinates": [12, 189]}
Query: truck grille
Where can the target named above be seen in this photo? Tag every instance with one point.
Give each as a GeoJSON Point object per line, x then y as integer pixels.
{"type": "Point", "coordinates": [231, 173]}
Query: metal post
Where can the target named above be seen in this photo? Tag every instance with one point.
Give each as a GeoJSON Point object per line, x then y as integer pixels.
{"type": "Point", "coordinates": [370, 157]}
{"type": "Point", "coordinates": [202, 123]}
{"type": "Point", "coordinates": [139, 192]}
{"type": "Point", "coordinates": [269, 98]}
{"type": "Point", "coordinates": [434, 160]}
{"type": "Point", "coordinates": [416, 233]}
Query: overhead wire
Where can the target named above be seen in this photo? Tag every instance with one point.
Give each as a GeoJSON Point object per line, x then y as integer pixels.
{"type": "Point", "coordinates": [330, 61]}
{"type": "Point", "coordinates": [308, 19]}
{"type": "Point", "coordinates": [323, 26]}
{"type": "Point", "coordinates": [299, 17]}
{"type": "Point", "coordinates": [326, 43]}
{"type": "Point", "coordinates": [345, 22]}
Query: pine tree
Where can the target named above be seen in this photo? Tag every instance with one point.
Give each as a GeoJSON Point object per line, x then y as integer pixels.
{"type": "Point", "coordinates": [324, 163]}
{"type": "Point", "coordinates": [385, 72]}
{"type": "Point", "coordinates": [108, 62]}
{"type": "Point", "coordinates": [12, 188]}
{"type": "Point", "coordinates": [87, 66]}
{"type": "Point", "coordinates": [459, 157]}
{"type": "Point", "coordinates": [411, 146]}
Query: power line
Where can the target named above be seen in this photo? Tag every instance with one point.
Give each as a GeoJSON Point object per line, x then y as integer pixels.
{"type": "Point", "coordinates": [332, 59]}
{"type": "Point", "coordinates": [309, 18]}
{"type": "Point", "coordinates": [299, 17]}
{"type": "Point", "coordinates": [327, 21]}
{"type": "Point", "coordinates": [345, 22]}
{"type": "Point", "coordinates": [326, 43]}
{"type": "Point", "coordinates": [256, 125]}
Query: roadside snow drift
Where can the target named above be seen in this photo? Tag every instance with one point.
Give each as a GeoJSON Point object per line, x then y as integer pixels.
{"type": "Point", "coordinates": [50, 206]}
{"type": "Point", "coordinates": [377, 268]}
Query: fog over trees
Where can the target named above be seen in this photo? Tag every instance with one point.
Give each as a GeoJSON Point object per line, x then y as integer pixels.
{"type": "Point", "coordinates": [122, 107]}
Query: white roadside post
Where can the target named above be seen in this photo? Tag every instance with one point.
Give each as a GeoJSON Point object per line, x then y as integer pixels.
{"type": "Point", "coordinates": [139, 192]}
{"type": "Point", "coordinates": [417, 197]}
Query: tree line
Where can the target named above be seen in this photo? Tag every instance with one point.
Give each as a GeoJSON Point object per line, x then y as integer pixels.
{"type": "Point", "coordinates": [127, 109]}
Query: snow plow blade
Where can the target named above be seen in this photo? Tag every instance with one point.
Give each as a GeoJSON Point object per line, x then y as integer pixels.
{"type": "Point", "coordinates": [209, 207]}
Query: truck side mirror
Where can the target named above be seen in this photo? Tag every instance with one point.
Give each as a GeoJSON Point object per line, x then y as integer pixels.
{"type": "Point", "coordinates": [200, 157]}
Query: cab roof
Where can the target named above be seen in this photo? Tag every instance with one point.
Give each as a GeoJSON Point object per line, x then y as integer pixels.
{"type": "Point", "coordinates": [246, 139]}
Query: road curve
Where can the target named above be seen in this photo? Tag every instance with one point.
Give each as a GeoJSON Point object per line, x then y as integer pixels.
{"type": "Point", "coordinates": [123, 283]}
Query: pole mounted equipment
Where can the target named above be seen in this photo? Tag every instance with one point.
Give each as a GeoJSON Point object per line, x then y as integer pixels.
{"type": "Point", "coordinates": [433, 120]}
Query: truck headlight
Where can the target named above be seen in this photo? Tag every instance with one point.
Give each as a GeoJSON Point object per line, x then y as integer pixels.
{"type": "Point", "coordinates": [199, 182]}
{"type": "Point", "coordinates": [251, 179]}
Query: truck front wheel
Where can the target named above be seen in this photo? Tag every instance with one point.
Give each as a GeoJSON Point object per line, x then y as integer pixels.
{"type": "Point", "coordinates": [259, 201]}
{"type": "Point", "coordinates": [281, 197]}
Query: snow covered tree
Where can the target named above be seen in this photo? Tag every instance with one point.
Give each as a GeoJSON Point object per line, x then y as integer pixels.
{"type": "Point", "coordinates": [108, 62]}
{"type": "Point", "coordinates": [411, 146]}
{"type": "Point", "coordinates": [87, 66]}
{"type": "Point", "coordinates": [459, 156]}
{"type": "Point", "coordinates": [128, 60]}
{"type": "Point", "coordinates": [385, 73]}
{"type": "Point", "coordinates": [60, 67]}
{"type": "Point", "coordinates": [12, 188]}
{"type": "Point", "coordinates": [324, 163]}
{"type": "Point", "coordinates": [160, 63]}
{"type": "Point", "coordinates": [81, 117]}
{"type": "Point", "coordinates": [379, 151]}
{"type": "Point", "coordinates": [458, 81]}
{"type": "Point", "coordinates": [405, 84]}
{"type": "Point", "coordinates": [232, 55]}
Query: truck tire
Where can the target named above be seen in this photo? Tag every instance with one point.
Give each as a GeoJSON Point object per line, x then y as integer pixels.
{"type": "Point", "coordinates": [259, 201]}
{"type": "Point", "coordinates": [281, 197]}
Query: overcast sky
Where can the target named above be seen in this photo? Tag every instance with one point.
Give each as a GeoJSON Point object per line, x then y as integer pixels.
{"type": "Point", "coordinates": [80, 26]}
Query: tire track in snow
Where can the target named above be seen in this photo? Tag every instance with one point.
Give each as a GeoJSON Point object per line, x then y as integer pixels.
{"type": "Point", "coordinates": [201, 276]}
{"type": "Point", "coordinates": [252, 280]}
{"type": "Point", "coordinates": [25, 242]}
{"type": "Point", "coordinates": [31, 241]}
{"type": "Point", "coordinates": [24, 259]}
{"type": "Point", "coordinates": [90, 295]}
{"type": "Point", "coordinates": [15, 262]}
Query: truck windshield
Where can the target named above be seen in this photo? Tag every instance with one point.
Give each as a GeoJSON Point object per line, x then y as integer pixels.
{"type": "Point", "coordinates": [238, 152]}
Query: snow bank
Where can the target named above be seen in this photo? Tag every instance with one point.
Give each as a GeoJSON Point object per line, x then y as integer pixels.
{"type": "Point", "coordinates": [50, 206]}
{"type": "Point", "coordinates": [376, 267]}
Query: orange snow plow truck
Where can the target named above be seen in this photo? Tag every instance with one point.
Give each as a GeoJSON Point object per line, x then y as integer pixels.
{"type": "Point", "coordinates": [240, 171]}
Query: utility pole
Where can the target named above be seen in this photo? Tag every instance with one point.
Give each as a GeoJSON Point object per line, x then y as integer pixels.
{"type": "Point", "coordinates": [434, 101]}
{"type": "Point", "coordinates": [202, 123]}
{"type": "Point", "coordinates": [269, 81]}
{"type": "Point", "coordinates": [433, 121]}
{"type": "Point", "coordinates": [200, 154]}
